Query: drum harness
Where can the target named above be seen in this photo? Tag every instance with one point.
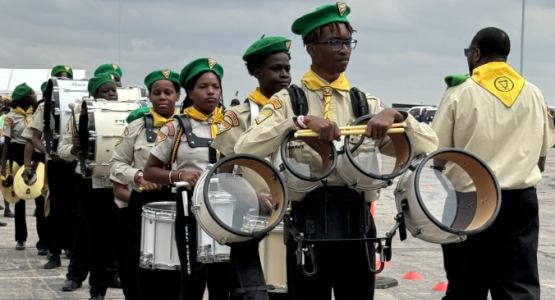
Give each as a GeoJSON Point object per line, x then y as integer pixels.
{"type": "Point", "coordinates": [305, 246]}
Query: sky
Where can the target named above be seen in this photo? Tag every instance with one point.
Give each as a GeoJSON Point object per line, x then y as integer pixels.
{"type": "Point", "coordinates": [405, 47]}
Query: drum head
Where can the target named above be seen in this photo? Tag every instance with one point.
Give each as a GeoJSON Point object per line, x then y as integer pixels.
{"type": "Point", "coordinates": [245, 195]}
{"type": "Point", "coordinates": [381, 159]}
{"type": "Point", "coordinates": [308, 158]}
{"type": "Point", "coordinates": [457, 191]}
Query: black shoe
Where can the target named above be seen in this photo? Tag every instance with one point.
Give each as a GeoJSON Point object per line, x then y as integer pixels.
{"type": "Point", "coordinates": [2, 224]}
{"type": "Point", "coordinates": [1, 207]}
{"type": "Point", "coordinates": [53, 262]}
{"type": "Point", "coordinates": [20, 246]}
{"type": "Point", "coordinates": [96, 296]}
{"type": "Point", "coordinates": [116, 283]}
{"type": "Point", "coordinates": [71, 285]}
{"type": "Point", "coordinates": [8, 214]}
{"type": "Point", "coordinates": [43, 252]}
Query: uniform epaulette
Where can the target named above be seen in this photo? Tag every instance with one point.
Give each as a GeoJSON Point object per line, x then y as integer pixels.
{"type": "Point", "coordinates": [454, 80]}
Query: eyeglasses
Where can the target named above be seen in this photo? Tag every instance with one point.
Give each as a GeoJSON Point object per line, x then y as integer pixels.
{"type": "Point", "coordinates": [337, 44]}
{"type": "Point", "coordinates": [468, 50]}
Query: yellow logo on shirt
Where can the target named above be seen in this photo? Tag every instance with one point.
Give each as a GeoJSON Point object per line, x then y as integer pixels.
{"type": "Point", "coordinates": [504, 84]}
{"type": "Point", "coordinates": [223, 127]}
{"type": "Point", "coordinates": [262, 116]}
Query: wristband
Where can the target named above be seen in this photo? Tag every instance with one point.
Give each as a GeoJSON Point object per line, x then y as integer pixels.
{"type": "Point", "coordinates": [301, 121]}
{"type": "Point", "coordinates": [139, 176]}
{"type": "Point", "coordinates": [170, 176]}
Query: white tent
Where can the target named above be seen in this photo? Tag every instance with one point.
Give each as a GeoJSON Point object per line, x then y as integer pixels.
{"type": "Point", "coordinates": [10, 78]}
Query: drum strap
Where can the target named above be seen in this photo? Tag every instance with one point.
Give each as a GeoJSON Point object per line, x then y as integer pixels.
{"type": "Point", "coordinates": [193, 140]}
{"type": "Point", "coordinates": [149, 126]}
{"type": "Point", "coordinates": [300, 104]}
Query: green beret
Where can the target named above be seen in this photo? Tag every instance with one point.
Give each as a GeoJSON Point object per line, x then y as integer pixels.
{"type": "Point", "coordinates": [166, 74]}
{"type": "Point", "coordinates": [110, 69]}
{"type": "Point", "coordinates": [61, 68]}
{"type": "Point", "coordinates": [454, 80]}
{"type": "Point", "coordinates": [43, 86]}
{"type": "Point", "coordinates": [20, 92]}
{"type": "Point", "coordinates": [268, 45]}
{"type": "Point", "coordinates": [321, 16]}
{"type": "Point", "coordinates": [137, 113]}
{"type": "Point", "coordinates": [98, 80]}
{"type": "Point", "coordinates": [197, 66]}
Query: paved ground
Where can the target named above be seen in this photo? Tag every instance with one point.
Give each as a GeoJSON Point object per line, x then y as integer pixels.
{"type": "Point", "coordinates": [22, 275]}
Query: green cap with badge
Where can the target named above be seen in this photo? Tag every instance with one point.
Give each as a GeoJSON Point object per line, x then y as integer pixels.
{"type": "Point", "coordinates": [454, 80]}
{"type": "Point", "coordinates": [137, 113]}
{"type": "Point", "coordinates": [268, 45]}
{"type": "Point", "coordinates": [61, 68]}
{"type": "Point", "coordinates": [321, 16]}
{"type": "Point", "coordinates": [43, 86]}
{"type": "Point", "coordinates": [197, 66]}
{"type": "Point", "coordinates": [110, 69]}
{"type": "Point", "coordinates": [98, 80]}
{"type": "Point", "coordinates": [20, 92]}
{"type": "Point", "coordinates": [165, 74]}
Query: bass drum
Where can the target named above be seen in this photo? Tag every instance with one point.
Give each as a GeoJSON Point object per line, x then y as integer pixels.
{"type": "Point", "coordinates": [223, 199]}
{"type": "Point", "coordinates": [448, 195]}
{"type": "Point", "coordinates": [7, 184]}
{"type": "Point", "coordinates": [106, 123]}
{"type": "Point", "coordinates": [59, 93]}
{"type": "Point", "coordinates": [273, 258]}
{"type": "Point", "coordinates": [131, 93]}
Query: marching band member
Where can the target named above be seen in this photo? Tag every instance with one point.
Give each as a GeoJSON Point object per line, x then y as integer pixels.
{"type": "Point", "coordinates": [126, 169]}
{"type": "Point", "coordinates": [62, 71]}
{"type": "Point", "coordinates": [23, 99]}
{"type": "Point", "coordinates": [6, 101]}
{"type": "Point", "coordinates": [327, 35]}
{"type": "Point", "coordinates": [100, 211]}
{"type": "Point", "coordinates": [110, 69]}
{"type": "Point", "coordinates": [202, 82]}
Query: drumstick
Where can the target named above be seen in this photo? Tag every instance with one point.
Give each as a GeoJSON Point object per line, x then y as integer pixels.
{"type": "Point", "coordinates": [311, 133]}
{"type": "Point", "coordinates": [74, 123]}
{"type": "Point", "coordinates": [357, 127]}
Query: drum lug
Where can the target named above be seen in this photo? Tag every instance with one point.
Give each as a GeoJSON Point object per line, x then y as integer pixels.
{"type": "Point", "coordinates": [195, 208]}
{"type": "Point", "coordinates": [146, 260]}
{"type": "Point", "coordinates": [223, 241]}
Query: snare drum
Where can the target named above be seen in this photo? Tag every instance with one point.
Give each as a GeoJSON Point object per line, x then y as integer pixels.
{"type": "Point", "coordinates": [158, 246]}
{"type": "Point", "coordinates": [106, 124]}
{"type": "Point", "coordinates": [131, 93]}
{"type": "Point", "coordinates": [59, 93]}
{"type": "Point", "coordinates": [273, 258]}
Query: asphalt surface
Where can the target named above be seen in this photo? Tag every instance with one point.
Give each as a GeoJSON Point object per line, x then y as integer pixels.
{"type": "Point", "coordinates": [22, 275]}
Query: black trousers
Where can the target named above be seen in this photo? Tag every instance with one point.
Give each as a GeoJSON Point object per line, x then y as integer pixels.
{"type": "Point", "coordinates": [101, 217]}
{"type": "Point", "coordinates": [152, 284]}
{"type": "Point", "coordinates": [333, 213]}
{"type": "Point", "coordinates": [214, 275]}
{"type": "Point", "coordinates": [61, 220]}
{"type": "Point", "coordinates": [503, 258]}
{"type": "Point", "coordinates": [126, 264]}
{"type": "Point", "coordinates": [17, 154]}
{"type": "Point", "coordinates": [78, 268]}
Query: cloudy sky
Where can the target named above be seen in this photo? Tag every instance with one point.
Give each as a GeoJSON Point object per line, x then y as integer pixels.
{"type": "Point", "coordinates": [405, 47]}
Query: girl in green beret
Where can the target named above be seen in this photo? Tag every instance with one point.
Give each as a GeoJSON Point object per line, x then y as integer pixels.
{"type": "Point", "coordinates": [202, 82]}
{"type": "Point", "coordinates": [23, 99]}
{"type": "Point", "coordinates": [110, 69]}
{"type": "Point", "coordinates": [126, 170]}
{"type": "Point", "coordinates": [63, 71]}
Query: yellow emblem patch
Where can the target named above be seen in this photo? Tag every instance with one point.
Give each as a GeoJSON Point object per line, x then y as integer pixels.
{"type": "Point", "coordinates": [211, 62]}
{"type": "Point", "coordinates": [342, 7]}
{"type": "Point", "coordinates": [262, 116]}
{"type": "Point", "coordinates": [275, 102]}
{"type": "Point", "coordinates": [67, 68]}
{"type": "Point", "coordinates": [223, 127]}
{"type": "Point", "coordinates": [160, 137]}
{"type": "Point", "coordinates": [166, 73]}
{"type": "Point", "coordinates": [504, 84]}
{"type": "Point", "coordinates": [288, 45]}
{"type": "Point", "coordinates": [234, 120]}
{"type": "Point", "coordinates": [119, 140]}
{"type": "Point", "coordinates": [112, 75]}
{"type": "Point", "coordinates": [126, 131]}
{"type": "Point", "coordinates": [115, 66]}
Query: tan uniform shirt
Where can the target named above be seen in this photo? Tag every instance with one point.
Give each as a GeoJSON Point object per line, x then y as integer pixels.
{"type": "Point", "coordinates": [37, 123]}
{"type": "Point", "coordinates": [510, 140]}
{"type": "Point", "coordinates": [267, 135]}
{"type": "Point", "coordinates": [66, 141]}
{"type": "Point", "coordinates": [238, 119]}
{"type": "Point", "coordinates": [14, 124]}
{"type": "Point", "coordinates": [130, 154]}
{"type": "Point", "coordinates": [188, 159]}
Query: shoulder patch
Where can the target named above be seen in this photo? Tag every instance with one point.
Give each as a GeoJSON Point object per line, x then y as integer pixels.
{"type": "Point", "coordinates": [126, 131]}
{"type": "Point", "coordinates": [233, 116]}
{"type": "Point", "coordinates": [8, 119]}
{"type": "Point", "coordinates": [160, 137]}
{"type": "Point", "coordinates": [454, 80]}
{"type": "Point", "coordinates": [549, 113]}
{"type": "Point", "coordinates": [275, 102]}
{"type": "Point", "coordinates": [119, 140]}
{"type": "Point", "coordinates": [171, 128]}
{"type": "Point", "coordinates": [262, 116]}
{"type": "Point", "coordinates": [223, 127]}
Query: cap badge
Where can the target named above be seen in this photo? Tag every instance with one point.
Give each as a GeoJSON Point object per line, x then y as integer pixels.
{"type": "Point", "coordinates": [342, 7]}
{"type": "Point", "coordinates": [166, 73]}
{"type": "Point", "coordinates": [211, 63]}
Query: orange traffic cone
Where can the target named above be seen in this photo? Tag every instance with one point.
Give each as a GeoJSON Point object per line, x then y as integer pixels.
{"type": "Point", "coordinates": [428, 187]}
{"type": "Point", "coordinates": [440, 287]}
{"type": "Point", "coordinates": [412, 276]}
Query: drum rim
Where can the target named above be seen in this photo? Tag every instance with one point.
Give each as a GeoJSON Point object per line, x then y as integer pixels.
{"type": "Point", "coordinates": [217, 219]}
{"type": "Point", "coordinates": [437, 222]}
{"type": "Point", "coordinates": [372, 175]}
{"type": "Point", "coordinates": [320, 178]}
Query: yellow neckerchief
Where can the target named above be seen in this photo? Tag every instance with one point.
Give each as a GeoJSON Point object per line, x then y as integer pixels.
{"type": "Point", "coordinates": [314, 83]}
{"type": "Point", "coordinates": [216, 118]}
{"type": "Point", "coordinates": [160, 120]}
{"type": "Point", "coordinates": [500, 80]}
{"type": "Point", "coordinates": [258, 98]}
{"type": "Point", "coordinates": [19, 110]}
